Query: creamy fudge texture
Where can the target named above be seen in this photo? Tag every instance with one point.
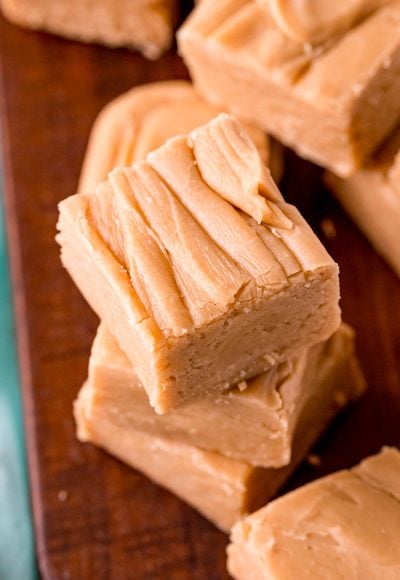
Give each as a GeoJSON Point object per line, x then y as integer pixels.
{"type": "Point", "coordinates": [316, 20]}
{"type": "Point", "coordinates": [222, 489]}
{"type": "Point", "coordinates": [372, 199]}
{"type": "Point", "coordinates": [146, 25]}
{"type": "Point", "coordinates": [346, 525]}
{"type": "Point", "coordinates": [142, 119]}
{"type": "Point", "coordinates": [198, 294]}
{"type": "Point", "coordinates": [264, 410]}
{"type": "Point", "coordinates": [333, 101]}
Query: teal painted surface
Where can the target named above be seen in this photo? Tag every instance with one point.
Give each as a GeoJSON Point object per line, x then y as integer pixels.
{"type": "Point", "coordinates": [17, 560]}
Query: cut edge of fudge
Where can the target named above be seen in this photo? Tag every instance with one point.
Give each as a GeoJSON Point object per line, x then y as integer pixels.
{"type": "Point", "coordinates": [180, 273]}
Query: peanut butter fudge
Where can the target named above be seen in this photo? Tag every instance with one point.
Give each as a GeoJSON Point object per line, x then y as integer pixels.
{"type": "Point", "coordinates": [265, 409]}
{"type": "Point", "coordinates": [142, 119]}
{"type": "Point", "coordinates": [222, 489]}
{"type": "Point", "coordinates": [146, 25]}
{"type": "Point", "coordinates": [346, 525]}
{"type": "Point", "coordinates": [372, 198]}
{"type": "Point", "coordinates": [317, 20]}
{"type": "Point", "coordinates": [333, 98]}
{"type": "Point", "coordinates": [201, 287]}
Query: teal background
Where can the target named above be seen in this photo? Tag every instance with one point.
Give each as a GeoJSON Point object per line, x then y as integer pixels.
{"type": "Point", "coordinates": [17, 556]}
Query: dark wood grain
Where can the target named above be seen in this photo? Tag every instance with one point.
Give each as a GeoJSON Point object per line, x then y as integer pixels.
{"type": "Point", "coordinates": [109, 522]}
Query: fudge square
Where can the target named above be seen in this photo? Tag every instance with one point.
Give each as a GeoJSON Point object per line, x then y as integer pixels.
{"type": "Point", "coordinates": [204, 274]}
{"type": "Point", "coordinates": [372, 198]}
{"type": "Point", "coordinates": [333, 99]}
{"type": "Point", "coordinates": [346, 525]}
{"type": "Point", "coordinates": [141, 119]}
{"type": "Point", "coordinates": [221, 488]}
{"type": "Point", "coordinates": [266, 410]}
{"type": "Point", "coordinates": [146, 25]}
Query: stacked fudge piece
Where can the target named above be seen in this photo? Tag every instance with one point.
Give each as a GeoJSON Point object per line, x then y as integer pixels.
{"type": "Point", "coordinates": [220, 358]}
{"type": "Point", "coordinates": [323, 78]}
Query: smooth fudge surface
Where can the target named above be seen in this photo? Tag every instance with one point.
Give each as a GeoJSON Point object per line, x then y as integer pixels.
{"type": "Point", "coordinates": [146, 25]}
{"type": "Point", "coordinates": [253, 422]}
{"type": "Point", "coordinates": [198, 294]}
{"type": "Point", "coordinates": [372, 199]}
{"type": "Point", "coordinates": [333, 100]}
{"type": "Point", "coordinates": [221, 488]}
{"type": "Point", "coordinates": [143, 118]}
{"type": "Point", "coordinates": [345, 525]}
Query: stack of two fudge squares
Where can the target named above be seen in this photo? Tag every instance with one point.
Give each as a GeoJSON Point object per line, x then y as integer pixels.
{"type": "Point", "coordinates": [221, 356]}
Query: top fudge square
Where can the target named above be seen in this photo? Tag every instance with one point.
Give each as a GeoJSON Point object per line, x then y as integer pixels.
{"type": "Point", "coordinates": [202, 272]}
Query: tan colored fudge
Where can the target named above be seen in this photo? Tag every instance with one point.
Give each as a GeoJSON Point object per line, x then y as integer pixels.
{"type": "Point", "coordinates": [372, 198]}
{"type": "Point", "coordinates": [142, 119]}
{"type": "Point", "coordinates": [333, 101]}
{"type": "Point", "coordinates": [318, 20]}
{"type": "Point", "coordinates": [145, 25]}
{"type": "Point", "coordinates": [222, 489]}
{"type": "Point", "coordinates": [199, 294]}
{"type": "Point", "coordinates": [252, 422]}
{"type": "Point", "coordinates": [346, 525]}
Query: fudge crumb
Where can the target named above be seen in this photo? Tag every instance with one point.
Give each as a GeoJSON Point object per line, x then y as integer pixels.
{"type": "Point", "coordinates": [269, 358]}
{"type": "Point", "coordinates": [357, 89]}
{"type": "Point", "coordinates": [387, 63]}
{"type": "Point", "coordinates": [328, 228]}
{"type": "Point", "coordinates": [62, 495]}
{"type": "Point", "coordinates": [314, 460]}
{"type": "Point", "coordinates": [340, 398]}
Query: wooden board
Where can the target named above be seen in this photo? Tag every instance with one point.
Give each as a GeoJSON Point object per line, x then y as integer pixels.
{"type": "Point", "coordinates": [94, 517]}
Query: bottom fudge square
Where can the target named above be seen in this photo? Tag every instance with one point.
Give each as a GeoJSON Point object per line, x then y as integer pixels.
{"type": "Point", "coordinates": [221, 488]}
